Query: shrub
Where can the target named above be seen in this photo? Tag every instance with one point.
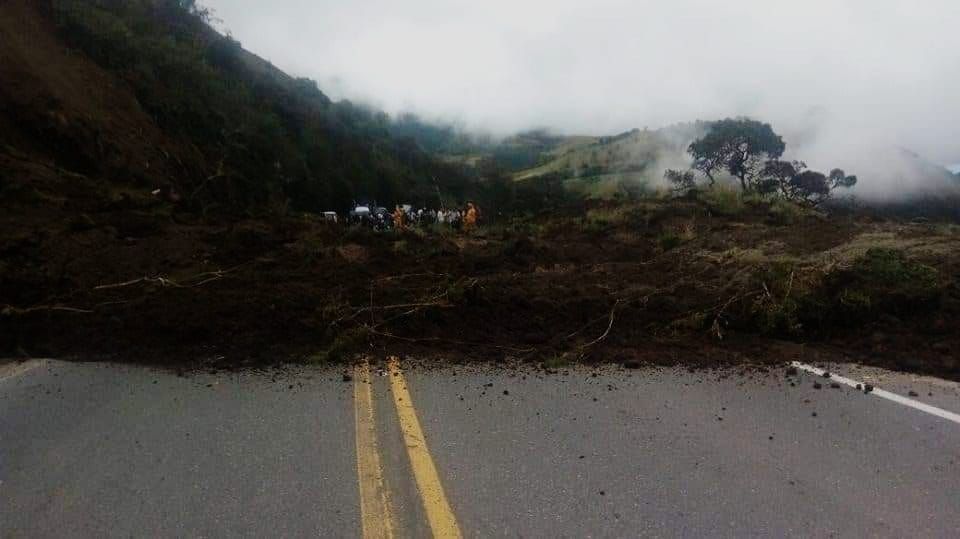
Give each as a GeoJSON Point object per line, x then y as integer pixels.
{"type": "Point", "coordinates": [343, 345]}
{"type": "Point", "coordinates": [783, 212]}
{"type": "Point", "coordinates": [669, 241]}
{"type": "Point", "coordinates": [723, 201]}
{"type": "Point", "coordinates": [882, 280]}
{"type": "Point", "coordinates": [778, 308]}
{"type": "Point", "coordinates": [792, 302]}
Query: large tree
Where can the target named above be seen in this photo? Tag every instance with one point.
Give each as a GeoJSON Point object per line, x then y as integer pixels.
{"type": "Point", "coordinates": [739, 147]}
{"type": "Point", "coordinates": [750, 151]}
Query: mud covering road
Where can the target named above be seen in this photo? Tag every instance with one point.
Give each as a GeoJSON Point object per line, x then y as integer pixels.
{"type": "Point", "coordinates": [95, 450]}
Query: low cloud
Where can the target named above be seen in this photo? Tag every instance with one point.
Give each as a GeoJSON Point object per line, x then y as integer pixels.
{"type": "Point", "coordinates": [841, 80]}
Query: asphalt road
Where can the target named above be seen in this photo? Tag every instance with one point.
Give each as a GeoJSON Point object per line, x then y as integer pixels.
{"type": "Point", "coordinates": [94, 450]}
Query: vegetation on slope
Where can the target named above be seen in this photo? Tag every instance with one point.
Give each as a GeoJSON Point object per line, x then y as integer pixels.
{"type": "Point", "coordinates": [264, 139]}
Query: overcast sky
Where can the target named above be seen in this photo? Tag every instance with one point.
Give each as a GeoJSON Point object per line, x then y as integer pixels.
{"type": "Point", "coordinates": [826, 73]}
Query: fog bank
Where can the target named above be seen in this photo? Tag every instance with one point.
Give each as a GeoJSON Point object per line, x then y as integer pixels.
{"type": "Point", "coordinates": [840, 79]}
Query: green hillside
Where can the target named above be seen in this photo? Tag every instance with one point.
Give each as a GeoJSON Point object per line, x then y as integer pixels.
{"type": "Point", "coordinates": [243, 135]}
{"type": "Point", "coordinates": [600, 167]}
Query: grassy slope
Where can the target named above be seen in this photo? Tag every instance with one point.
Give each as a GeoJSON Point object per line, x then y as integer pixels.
{"type": "Point", "coordinates": [595, 167]}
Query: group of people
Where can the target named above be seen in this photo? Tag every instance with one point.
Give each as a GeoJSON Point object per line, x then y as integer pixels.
{"type": "Point", "coordinates": [466, 219]}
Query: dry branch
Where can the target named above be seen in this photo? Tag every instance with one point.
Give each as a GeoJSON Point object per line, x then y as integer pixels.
{"type": "Point", "coordinates": [206, 277]}
{"type": "Point", "coordinates": [9, 310]}
{"type": "Point", "coordinates": [613, 312]}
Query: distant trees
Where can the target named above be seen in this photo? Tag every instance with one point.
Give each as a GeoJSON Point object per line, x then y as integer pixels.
{"type": "Point", "coordinates": [749, 151]}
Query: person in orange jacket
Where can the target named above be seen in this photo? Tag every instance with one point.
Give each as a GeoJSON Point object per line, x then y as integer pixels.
{"type": "Point", "coordinates": [399, 218]}
{"type": "Point", "coordinates": [470, 217]}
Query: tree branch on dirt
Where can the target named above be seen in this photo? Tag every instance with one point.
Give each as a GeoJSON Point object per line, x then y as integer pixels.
{"type": "Point", "coordinates": [10, 310]}
{"type": "Point", "coordinates": [205, 277]}
{"type": "Point", "coordinates": [599, 339]}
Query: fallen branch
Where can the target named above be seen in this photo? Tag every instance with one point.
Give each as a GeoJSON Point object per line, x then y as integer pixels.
{"type": "Point", "coordinates": [9, 310]}
{"type": "Point", "coordinates": [409, 276]}
{"type": "Point", "coordinates": [613, 312]}
{"type": "Point", "coordinates": [162, 281]}
{"type": "Point", "coordinates": [207, 277]}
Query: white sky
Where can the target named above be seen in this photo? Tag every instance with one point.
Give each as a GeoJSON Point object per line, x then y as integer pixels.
{"type": "Point", "coordinates": [832, 75]}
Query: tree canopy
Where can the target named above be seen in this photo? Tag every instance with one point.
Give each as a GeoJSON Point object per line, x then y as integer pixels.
{"type": "Point", "coordinates": [738, 146]}
{"type": "Point", "coordinates": [750, 151]}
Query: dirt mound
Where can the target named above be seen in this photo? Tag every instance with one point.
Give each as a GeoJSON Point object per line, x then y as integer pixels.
{"type": "Point", "coordinates": [562, 291]}
{"type": "Point", "coordinates": [93, 264]}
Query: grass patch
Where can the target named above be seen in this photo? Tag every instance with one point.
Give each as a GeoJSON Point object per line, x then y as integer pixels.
{"type": "Point", "coordinates": [669, 241]}
{"type": "Point", "coordinates": [344, 344]}
{"type": "Point", "coordinates": [784, 213]}
{"type": "Point", "coordinates": [883, 280]}
{"type": "Point", "coordinates": [795, 301]}
{"type": "Point", "coordinates": [723, 200]}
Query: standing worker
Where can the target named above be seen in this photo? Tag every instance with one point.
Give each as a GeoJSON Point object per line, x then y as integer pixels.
{"type": "Point", "coordinates": [399, 217]}
{"type": "Point", "coordinates": [470, 217]}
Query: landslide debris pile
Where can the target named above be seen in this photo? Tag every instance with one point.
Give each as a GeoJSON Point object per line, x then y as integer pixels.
{"type": "Point", "coordinates": [144, 222]}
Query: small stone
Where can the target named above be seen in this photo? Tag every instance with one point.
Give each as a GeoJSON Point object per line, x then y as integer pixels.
{"type": "Point", "coordinates": [814, 414]}
{"type": "Point", "coordinates": [505, 392]}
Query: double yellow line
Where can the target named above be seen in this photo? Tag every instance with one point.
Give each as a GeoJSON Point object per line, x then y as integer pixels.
{"type": "Point", "coordinates": [376, 511]}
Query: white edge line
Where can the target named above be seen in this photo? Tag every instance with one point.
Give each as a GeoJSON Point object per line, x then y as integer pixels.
{"type": "Point", "coordinates": [917, 405]}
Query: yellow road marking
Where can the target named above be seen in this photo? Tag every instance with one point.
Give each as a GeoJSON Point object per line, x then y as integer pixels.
{"type": "Point", "coordinates": [442, 521]}
{"type": "Point", "coordinates": [375, 513]}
